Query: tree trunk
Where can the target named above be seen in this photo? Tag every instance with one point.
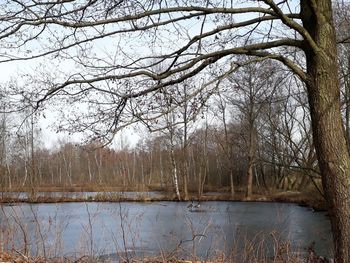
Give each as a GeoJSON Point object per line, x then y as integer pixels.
{"type": "Point", "coordinates": [174, 172]}
{"type": "Point", "coordinates": [328, 131]}
{"type": "Point", "coordinates": [25, 173]}
{"type": "Point", "coordinates": [347, 104]}
{"type": "Point", "coordinates": [251, 159]}
{"type": "Point", "coordinates": [184, 150]}
{"type": "Point", "coordinates": [249, 191]}
{"type": "Point", "coordinates": [161, 169]}
{"type": "Point", "coordinates": [232, 186]}
{"type": "Point", "coordinates": [9, 175]}
{"type": "Point", "coordinates": [185, 171]}
{"type": "Point", "coordinates": [89, 168]}
{"type": "Point", "coordinates": [98, 161]}
{"type": "Point", "coordinates": [185, 182]}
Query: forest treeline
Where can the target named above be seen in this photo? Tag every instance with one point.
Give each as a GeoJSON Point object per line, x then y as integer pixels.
{"type": "Point", "coordinates": [257, 140]}
{"type": "Point", "coordinates": [205, 164]}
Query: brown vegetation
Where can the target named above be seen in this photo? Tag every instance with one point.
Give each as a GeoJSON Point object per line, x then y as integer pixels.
{"type": "Point", "coordinates": [300, 198]}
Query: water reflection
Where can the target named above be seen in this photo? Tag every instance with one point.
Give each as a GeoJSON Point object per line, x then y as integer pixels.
{"type": "Point", "coordinates": [143, 229]}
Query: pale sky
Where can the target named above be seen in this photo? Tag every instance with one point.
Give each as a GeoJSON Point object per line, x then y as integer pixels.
{"type": "Point", "coordinates": [49, 137]}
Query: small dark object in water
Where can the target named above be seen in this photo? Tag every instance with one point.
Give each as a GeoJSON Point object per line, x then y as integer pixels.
{"type": "Point", "coordinates": [193, 207]}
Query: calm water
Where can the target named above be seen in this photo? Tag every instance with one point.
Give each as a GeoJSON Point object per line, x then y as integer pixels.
{"type": "Point", "coordinates": [141, 229]}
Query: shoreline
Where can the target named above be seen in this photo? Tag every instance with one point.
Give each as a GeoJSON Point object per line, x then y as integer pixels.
{"type": "Point", "coordinates": [283, 197]}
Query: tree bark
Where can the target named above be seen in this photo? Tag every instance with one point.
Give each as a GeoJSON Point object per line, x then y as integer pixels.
{"type": "Point", "coordinates": [174, 173]}
{"type": "Point", "coordinates": [251, 156]}
{"type": "Point", "coordinates": [347, 104]}
{"type": "Point", "coordinates": [232, 186]}
{"type": "Point", "coordinates": [249, 190]}
{"type": "Point", "coordinates": [328, 130]}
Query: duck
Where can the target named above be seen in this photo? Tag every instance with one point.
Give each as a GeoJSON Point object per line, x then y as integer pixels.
{"type": "Point", "coordinates": [192, 206]}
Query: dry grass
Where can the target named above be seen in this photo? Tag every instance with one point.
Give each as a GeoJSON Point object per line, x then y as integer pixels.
{"type": "Point", "coordinates": [16, 257]}
{"type": "Point", "coordinates": [303, 199]}
{"type": "Point", "coordinates": [73, 188]}
{"type": "Point", "coordinates": [310, 198]}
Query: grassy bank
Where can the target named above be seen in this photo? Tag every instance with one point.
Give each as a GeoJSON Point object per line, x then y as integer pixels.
{"type": "Point", "coordinates": [282, 255]}
{"type": "Point", "coordinates": [305, 199]}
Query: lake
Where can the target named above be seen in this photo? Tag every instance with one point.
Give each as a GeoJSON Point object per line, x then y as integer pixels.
{"type": "Point", "coordinates": [110, 231]}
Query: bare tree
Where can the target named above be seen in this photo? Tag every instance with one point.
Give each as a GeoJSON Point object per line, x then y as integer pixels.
{"type": "Point", "coordinates": [227, 143]}
{"type": "Point", "coordinates": [5, 172]}
{"type": "Point", "coordinates": [251, 92]}
{"type": "Point", "coordinates": [202, 33]}
{"type": "Point", "coordinates": [342, 23]}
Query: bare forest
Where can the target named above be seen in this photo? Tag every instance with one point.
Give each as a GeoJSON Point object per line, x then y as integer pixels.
{"type": "Point", "coordinates": [257, 127]}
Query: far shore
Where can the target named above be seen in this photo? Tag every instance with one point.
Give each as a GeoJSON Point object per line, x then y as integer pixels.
{"type": "Point", "coordinates": [317, 204]}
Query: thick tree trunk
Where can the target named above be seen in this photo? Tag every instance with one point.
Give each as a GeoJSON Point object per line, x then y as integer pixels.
{"type": "Point", "coordinates": [328, 131]}
{"type": "Point", "coordinates": [347, 105]}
